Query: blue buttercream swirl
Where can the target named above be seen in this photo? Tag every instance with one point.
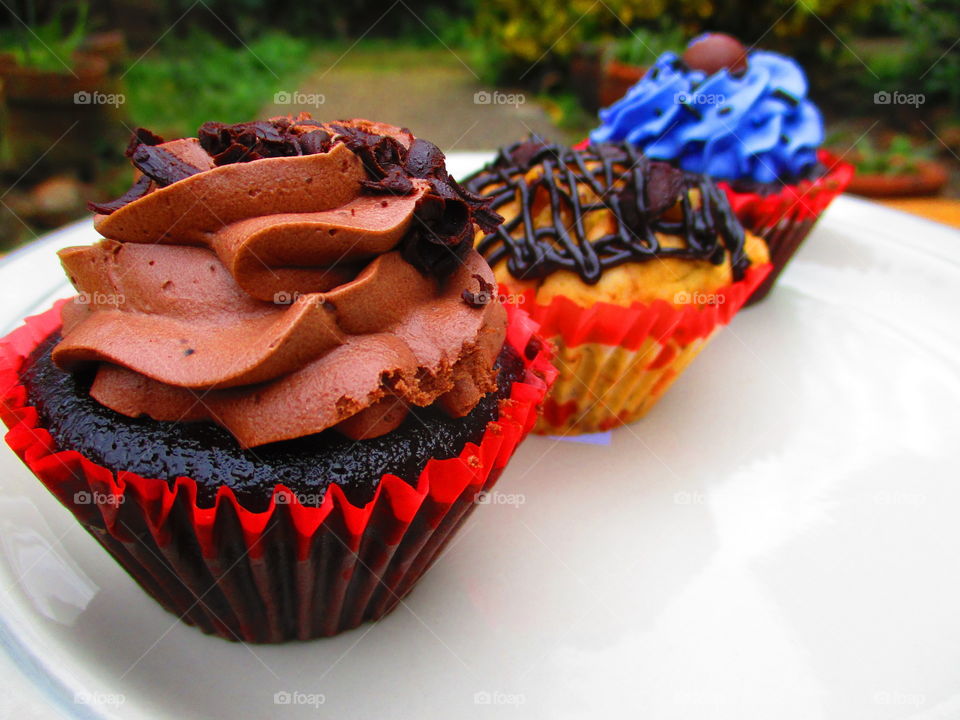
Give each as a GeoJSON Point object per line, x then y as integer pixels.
{"type": "Point", "coordinates": [757, 125]}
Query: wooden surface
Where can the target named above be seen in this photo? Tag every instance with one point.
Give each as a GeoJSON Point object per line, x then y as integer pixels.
{"type": "Point", "coordinates": [945, 210]}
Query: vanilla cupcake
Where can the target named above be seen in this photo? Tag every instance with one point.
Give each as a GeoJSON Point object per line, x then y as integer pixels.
{"type": "Point", "coordinates": [629, 265]}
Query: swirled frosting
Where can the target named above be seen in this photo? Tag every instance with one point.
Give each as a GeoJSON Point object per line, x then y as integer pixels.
{"type": "Point", "coordinates": [748, 124]}
{"type": "Point", "coordinates": [283, 278]}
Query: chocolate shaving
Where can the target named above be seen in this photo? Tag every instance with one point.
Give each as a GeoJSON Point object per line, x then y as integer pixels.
{"type": "Point", "coordinates": [243, 142]}
{"type": "Point", "coordinates": [235, 153]}
{"type": "Point", "coordinates": [481, 298]}
{"type": "Point", "coordinates": [382, 157]}
{"type": "Point", "coordinates": [141, 136]}
{"type": "Point", "coordinates": [161, 166]}
{"type": "Point", "coordinates": [139, 189]}
{"type": "Point", "coordinates": [442, 231]}
{"type": "Point", "coordinates": [443, 228]}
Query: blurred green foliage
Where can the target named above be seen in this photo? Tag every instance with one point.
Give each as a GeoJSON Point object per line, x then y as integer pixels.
{"type": "Point", "coordinates": [931, 29]}
{"type": "Point", "coordinates": [48, 45]}
{"type": "Point", "coordinates": [523, 34]}
{"type": "Point", "coordinates": [900, 156]}
{"type": "Point", "coordinates": [186, 81]}
{"type": "Point", "coordinates": [643, 46]}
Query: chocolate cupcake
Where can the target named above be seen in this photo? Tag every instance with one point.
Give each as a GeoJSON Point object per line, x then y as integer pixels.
{"type": "Point", "coordinates": [744, 118]}
{"type": "Point", "coordinates": [628, 264]}
{"type": "Point", "coordinates": [284, 379]}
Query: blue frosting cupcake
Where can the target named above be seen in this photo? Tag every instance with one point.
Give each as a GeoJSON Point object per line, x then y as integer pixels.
{"type": "Point", "coordinates": [721, 111]}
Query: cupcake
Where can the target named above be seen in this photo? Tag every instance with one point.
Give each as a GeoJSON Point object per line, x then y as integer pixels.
{"type": "Point", "coordinates": [629, 265]}
{"type": "Point", "coordinates": [284, 379]}
{"type": "Point", "coordinates": [743, 118]}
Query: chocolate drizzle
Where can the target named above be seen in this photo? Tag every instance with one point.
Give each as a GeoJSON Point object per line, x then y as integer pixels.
{"type": "Point", "coordinates": [645, 198]}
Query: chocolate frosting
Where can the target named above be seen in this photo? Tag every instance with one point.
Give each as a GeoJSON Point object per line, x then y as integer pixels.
{"type": "Point", "coordinates": [645, 198]}
{"type": "Point", "coordinates": [264, 281]}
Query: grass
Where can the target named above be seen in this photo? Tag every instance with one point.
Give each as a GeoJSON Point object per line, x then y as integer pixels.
{"type": "Point", "coordinates": [184, 82]}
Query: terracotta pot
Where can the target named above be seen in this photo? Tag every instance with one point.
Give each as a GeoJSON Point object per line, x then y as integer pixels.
{"type": "Point", "coordinates": [49, 127]}
{"type": "Point", "coordinates": [26, 85]}
{"type": "Point", "coordinates": [586, 72]}
{"type": "Point", "coordinates": [928, 179]}
{"type": "Point", "coordinates": [110, 45]}
{"type": "Point", "coordinates": [617, 78]}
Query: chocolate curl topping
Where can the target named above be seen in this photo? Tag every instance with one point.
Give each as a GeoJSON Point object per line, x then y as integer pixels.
{"type": "Point", "coordinates": [139, 189]}
{"type": "Point", "coordinates": [162, 167]}
{"type": "Point", "coordinates": [141, 136]}
{"type": "Point", "coordinates": [442, 230]}
{"type": "Point", "coordinates": [443, 219]}
{"type": "Point", "coordinates": [244, 142]}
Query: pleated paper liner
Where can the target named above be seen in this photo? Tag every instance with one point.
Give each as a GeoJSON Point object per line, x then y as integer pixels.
{"type": "Point", "coordinates": [615, 361]}
{"type": "Point", "coordinates": [784, 219]}
{"type": "Point", "coordinates": [290, 572]}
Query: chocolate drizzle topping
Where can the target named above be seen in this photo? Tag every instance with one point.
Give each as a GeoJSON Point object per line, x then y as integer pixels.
{"type": "Point", "coordinates": [442, 232]}
{"type": "Point", "coordinates": [645, 197]}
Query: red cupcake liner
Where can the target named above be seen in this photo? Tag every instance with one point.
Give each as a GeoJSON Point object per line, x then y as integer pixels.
{"type": "Point", "coordinates": [630, 326]}
{"type": "Point", "coordinates": [638, 351]}
{"type": "Point", "coordinates": [785, 218]}
{"type": "Point", "coordinates": [291, 571]}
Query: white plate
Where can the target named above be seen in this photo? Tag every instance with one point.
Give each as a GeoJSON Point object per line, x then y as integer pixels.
{"type": "Point", "coordinates": [777, 540]}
